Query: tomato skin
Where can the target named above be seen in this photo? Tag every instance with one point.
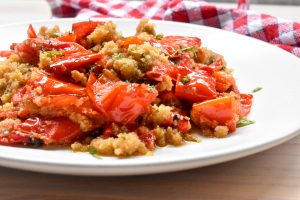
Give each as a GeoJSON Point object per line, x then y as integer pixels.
{"type": "Point", "coordinates": [70, 63]}
{"type": "Point", "coordinates": [131, 40]}
{"type": "Point", "coordinates": [67, 38]}
{"type": "Point", "coordinates": [148, 138]}
{"type": "Point", "coordinates": [51, 131]}
{"type": "Point", "coordinates": [121, 102]}
{"type": "Point", "coordinates": [31, 32]}
{"type": "Point", "coordinates": [224, 81]}
{"type": "Point", "coordinates": [28, 51]}
{"type": "Point", "coordinates": [183, 125]}
{"type": "Point", "coordinates": [53, 86]}
{"type": "Point", "coordinates": [246, 104]}
{"type": "Point", "coordinates": [83, 29]}
{"type": "Point", "coordinates": [5, 53]}
{"type": "Point", "coordinates": [221, 110]}
{"type": "Point", "coordinates": [200, 87]}
{"type": "Point", "coordinates": [171, 44]}
{"type": "Point", "coordinates": [14, 138]}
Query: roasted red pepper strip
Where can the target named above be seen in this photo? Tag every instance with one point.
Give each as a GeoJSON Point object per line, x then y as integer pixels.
{"type": "Point", "coordinates": [53, 86]}
{"type": "Point", "coordinates": [59, 130]}
{"type": "Point", "coordinates": [70, 63]}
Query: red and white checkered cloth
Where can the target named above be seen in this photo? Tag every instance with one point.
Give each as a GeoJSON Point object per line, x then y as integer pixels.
{"type": "Point", "coordinates": [277, 31]}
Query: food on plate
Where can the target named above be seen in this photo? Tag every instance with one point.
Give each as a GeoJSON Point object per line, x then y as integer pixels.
{"type": "Point", "coordinates": [95, 90]}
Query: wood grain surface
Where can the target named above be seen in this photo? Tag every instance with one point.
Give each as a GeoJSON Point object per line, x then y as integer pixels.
{"type": "Point", "coordinates": [270, 175]}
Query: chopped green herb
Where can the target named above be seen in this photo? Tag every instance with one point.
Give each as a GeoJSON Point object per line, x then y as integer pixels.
{"type": "Point", "coordinates": [5, 132]}
{"type": "Point", "coordinates": [92, 67]}
{"type": "Point", "coordinates": [43, 49]}
{"type": "Point", "coordinates": [152, 88]}
{"type": "Point", "coordinates": [51, 54]}
{"type": "Point", "coordinates": [185, 80]}
{"type": "Point", "coordinates": [97, 156]}
{"type": "Point", "coordinates": [183, 49]}
{"type": "Point", "coordinates": [159, 36]}
{"type": "Point", "coordinates": [93, 152]}
{"type": "Point", "coordinates": [244, 122]}
{"type": "Point", "coordinates": [211, 59]}
{"type": "Point", "coordinates": [118, 55]}
{"type": "Point", "coordinates": [57, 34]}
{"type": "Point", "coordinates": [256, 89]}
{"type": "Point", "coordinates": [133, 48]}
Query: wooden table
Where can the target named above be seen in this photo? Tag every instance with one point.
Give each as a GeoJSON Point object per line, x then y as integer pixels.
{"type": "Point", "coordinates": [270, 175]}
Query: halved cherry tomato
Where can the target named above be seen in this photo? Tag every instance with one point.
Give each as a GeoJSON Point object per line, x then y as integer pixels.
{"type": "Point", "coordinates": [195, 87]}
{"type": "Point", "coordinates": [220, 111]}
{"type": "Point", "coordinates": [158, 72]}
{"type": "Point", "coordinates": [59, 130]}
{"type": "Point", "coordinates": [31, 32]}
{"type": "Point", "coordinates": [28, 51]}
{"type": "Point", "coordinates": [186, 60]}
{"type": "Point", "coordinates": [246, 103]}
{"type": "Point", "coordinates": [224, 81]}
{"type": "Point", "coordinates": [83, 29]}
{"type": "Point", "coordinates": [121, 102]}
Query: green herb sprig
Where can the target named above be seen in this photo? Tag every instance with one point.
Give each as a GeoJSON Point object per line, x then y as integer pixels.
{"type": "Point", "coordinates": [185, 80]}
{"type": "Point", "coordinates": [256, 89]}
{"type": "Point", "coordinates": [244, 122]}
{"type": "Point", "coordinates": [93, 152]}
{"type": "Point", "coordinates": [183, 49]}
{"type": "Point", "coordinates": [52, 54]}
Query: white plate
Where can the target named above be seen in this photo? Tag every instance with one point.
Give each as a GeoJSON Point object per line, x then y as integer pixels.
{"type": "Point", "coordinates": [257, 64]}
{"type": "Point", "coordinates": [21, 10]}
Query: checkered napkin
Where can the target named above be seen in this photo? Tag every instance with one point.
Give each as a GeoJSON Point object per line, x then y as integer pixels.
{"type": "Point", "coordinates": [283, 33]}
